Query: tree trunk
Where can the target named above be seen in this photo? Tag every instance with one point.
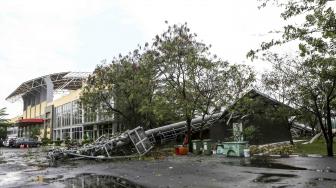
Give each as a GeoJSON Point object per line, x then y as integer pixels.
{"type": "Point", "coordinates": [330, 149]}
{"type": "Point", "coordinates": [329, 135]}
{"type": "Point", "coordinates": [189, 133]}
{"type": "Point", "coordinates": [325, 128]}
{"type": "Point", "coordinates": [201, 131]}
{"type": "Point", "coordinates": [289, 125]}
{"type": "Point", "coordinates": [45, 130]}
{"type": "Point", "coordinates": [291, 138]}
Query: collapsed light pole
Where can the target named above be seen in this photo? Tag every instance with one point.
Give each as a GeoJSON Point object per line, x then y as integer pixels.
{"type": "Point", "coordinates": [133, 141]}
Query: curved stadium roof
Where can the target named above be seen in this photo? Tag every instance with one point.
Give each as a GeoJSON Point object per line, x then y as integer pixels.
{"type": "Point", "coordinates": [61, 81]}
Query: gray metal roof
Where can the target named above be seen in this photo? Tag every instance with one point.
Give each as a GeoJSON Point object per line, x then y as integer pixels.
{"type": "Point", "coordinates": [61, 81]}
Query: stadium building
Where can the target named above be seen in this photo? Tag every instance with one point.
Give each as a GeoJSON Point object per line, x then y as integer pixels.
{"type": "Point", "coordinates": [61, 118]}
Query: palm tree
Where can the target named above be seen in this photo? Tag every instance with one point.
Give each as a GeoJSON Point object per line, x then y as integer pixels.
{"type": "Point", "coordinates": [3, 114]}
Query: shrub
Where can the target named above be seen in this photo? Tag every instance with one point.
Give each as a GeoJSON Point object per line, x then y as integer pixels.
{"type": "Point", "coordinates": [58, 142]}
{"type": "Point", "coordinates": [273, 149]}
{"type": "Point", "coordinates": [45, 141]}
{"type": "Point", "coordinates": [67, 141]}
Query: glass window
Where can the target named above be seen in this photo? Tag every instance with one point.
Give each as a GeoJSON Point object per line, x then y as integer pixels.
{"type": "Point", "coordinates": [76, 113]}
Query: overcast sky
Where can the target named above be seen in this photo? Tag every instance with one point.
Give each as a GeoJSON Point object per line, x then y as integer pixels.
{"type": "Point", "coordinates": [39, 37]}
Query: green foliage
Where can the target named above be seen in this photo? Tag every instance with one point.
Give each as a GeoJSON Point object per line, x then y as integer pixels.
{"type": "Point", "coordinates": [46, 141]}
{"type": "Point", "coordinates": [307, 81]}
{"type": "Point", "coordinates": [3, 123]}
{"type": "Point", "coordinates": [317, 33]}
{"type": "Point", "coordinates": [125, 88]}
{"type": "Point", "coordinates": [58, 142]}
{"type": "Point", "coordinates": [309, 85]}
{"type": "Point", "coordinates": [86, 139]}
{"type": "Point", "coordinates": [184, 64]}
{"type": "Point", "coordinates": [3, 130]}
{"type": "Point", "coordinates": [250, 133]}
{"type": "Point", "coordinates": [174, 78]}
{"type": "Point", "coordinates": [35, 132]}
{"type": "Point", "coordinates": [3, 114]}
{"type": "Point", "coordinates": [67, 140]}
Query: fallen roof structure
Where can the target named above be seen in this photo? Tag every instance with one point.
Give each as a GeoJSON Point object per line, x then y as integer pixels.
{"type": "Point", "coordinates": [131, 141]}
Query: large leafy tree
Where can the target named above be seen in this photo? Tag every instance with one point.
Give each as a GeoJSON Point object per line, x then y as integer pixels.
{"type": "Point", "coordinates": [174, 78]}
{"type": "Point", "coordinates": [182, 61]}
{"type": "Point", "coordinates": [194, 79]}
{"type": "Point", "coordinates": [313, 71]}
{"type": "Point", "coordinates": [125, 89]}
{"type": "Point", "coordinates": [308, 85]}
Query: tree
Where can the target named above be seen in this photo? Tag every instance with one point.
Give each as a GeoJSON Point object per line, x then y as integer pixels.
{"type": "Point", "coordinates": [279, 85]}
{"type": "Point", "coordinates": [232, 82]}
{"type": "Point", "coordinates": [129, 89]}
{"type": "Point", "coordinates": [174, 78]}
{"type": "Point", "coordinates": [3, 123]}
{"type": "Point", "coordinates": [195, 80]}
{"type": "Point", "coordinates": [310, 86]}
{"type": "Point", "coordinates": [35, 132]}
{"type": "Point", "coordinates": [3, 114]}
{"type": "Point", "coordinates": [210, 87]}
{"type": "Point", "coordinates": [314, 71]}
{"type": "Point", "coordinates": [182, 61]}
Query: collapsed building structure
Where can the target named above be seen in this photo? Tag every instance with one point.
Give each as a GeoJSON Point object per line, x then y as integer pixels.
{"type": "Point", "coordinates": [133, 141]}
{"type": "Point", "coordinates": [63, 118]}
{"type": "Point", "coordinates": [223, 126]}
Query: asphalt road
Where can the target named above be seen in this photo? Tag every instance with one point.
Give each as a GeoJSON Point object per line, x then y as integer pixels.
{"type": "Point", "coordinates": [29, 168]}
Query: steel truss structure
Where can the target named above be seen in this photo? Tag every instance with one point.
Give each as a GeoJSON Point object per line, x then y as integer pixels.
{"type": "Point", "coordinates": [132, 143]}
{"type": "Point", "coordinates": [59, 81]}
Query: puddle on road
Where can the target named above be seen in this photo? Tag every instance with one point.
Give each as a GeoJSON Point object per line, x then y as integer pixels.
{"type": "Point", "coordinates": [94, 180]}
{"type": "Point", "coordinates": [261, 163]}
{"type": "Point", "coordinates": [321, 182]}
{"type": "Point", "coordinates": [272, 177]}
{"type": "Point", "coordinates": [8, 178]}
{"type": "Point", "coordinates": [325, 179]}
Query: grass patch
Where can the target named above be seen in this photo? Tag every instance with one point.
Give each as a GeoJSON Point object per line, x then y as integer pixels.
{"type": "Point", "coordinates": [318, 147]}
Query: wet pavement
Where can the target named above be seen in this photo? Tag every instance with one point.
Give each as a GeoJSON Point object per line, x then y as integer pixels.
{"type": "Point", "coordinates": [29, 168]}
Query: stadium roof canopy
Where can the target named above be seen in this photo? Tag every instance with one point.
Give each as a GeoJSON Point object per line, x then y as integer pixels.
{"type": "Point", "coordinates": [61, 81]}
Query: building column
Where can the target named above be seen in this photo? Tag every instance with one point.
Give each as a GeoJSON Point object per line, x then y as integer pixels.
{"type": "Point", "coordinates": [71, 120]}
{"type": "Point", "coordinates": [82, 132]}
{"type": "Point", "coordinates": [83, 118]}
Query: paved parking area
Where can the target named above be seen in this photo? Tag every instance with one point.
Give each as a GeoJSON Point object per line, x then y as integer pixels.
{"type": "Point", "coordinates": [29, 168]}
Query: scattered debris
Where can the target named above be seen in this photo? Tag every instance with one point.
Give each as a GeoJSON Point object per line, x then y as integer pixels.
{"type": "Point", "coordinates": [131, 143]}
